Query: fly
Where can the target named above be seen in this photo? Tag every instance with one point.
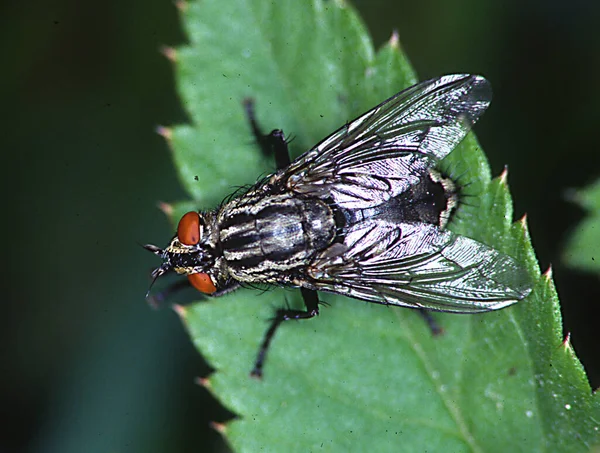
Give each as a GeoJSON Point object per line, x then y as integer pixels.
{"type": "Point", "coordinates": [362, 214]}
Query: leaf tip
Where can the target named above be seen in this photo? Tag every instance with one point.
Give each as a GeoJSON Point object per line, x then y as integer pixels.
{"type": "Point", "coordinates": [164, 132]}
{"type": "Point", "coordinates": [181, 5]}
{"type": "Point", "coordinates": [394, 41]}
{"type": "Point", "coordinates": [548, 274]}
{"type": "Point", "coordinates": [566, 344]}
{"type": "Point", "coordinates": [522, 224]}
{"type": "Point", "coordinates": [570, 194]}
{"type": "Point", "coordinates": [169, 52]}
{"type": "Point", "coordinates": [504, 176]}
{"type": "Point", "coordinates": [166, 208]}
{"type": "Point", "coordinates": [523, 221]}
{"type": "Point", "coordinates": [221, 428]}
{"type": "Point", "coordinates": [203, 382]}
{"type": "Point", "coordinates": [180, 310]}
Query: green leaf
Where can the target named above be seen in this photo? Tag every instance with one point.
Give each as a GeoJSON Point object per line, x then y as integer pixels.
{"type": "Point", "coordinates": [583, 247]}
{"type": "Point", "coordinates": [360, 377]}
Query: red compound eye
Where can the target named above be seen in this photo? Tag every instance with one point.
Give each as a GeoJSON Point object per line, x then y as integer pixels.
{"type": "Point", "coordinates": [188, 230]}
{"type": "Point", "coordinates": [202, 283]}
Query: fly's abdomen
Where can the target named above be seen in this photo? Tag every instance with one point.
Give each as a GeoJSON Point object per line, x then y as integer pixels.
{"type": "Point", "coordinates": [260, 237]}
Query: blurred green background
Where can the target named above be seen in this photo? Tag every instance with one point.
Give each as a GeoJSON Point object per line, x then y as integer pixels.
{"type": "Point", "coordinates": [87, 365]}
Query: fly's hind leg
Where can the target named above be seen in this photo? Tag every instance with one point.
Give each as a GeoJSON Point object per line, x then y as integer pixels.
{"type": "Point", "coordinates": [270, 144]}
{"type": "Point", "coordinates": [435, 328]}
{"type": "Point", "coordinates": [311, 301]}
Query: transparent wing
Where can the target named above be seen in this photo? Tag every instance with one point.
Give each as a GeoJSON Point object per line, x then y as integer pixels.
{"type": "Point", "coordinates": [419, 266]}
{"type": "Point", "coordinates": [384, 151]}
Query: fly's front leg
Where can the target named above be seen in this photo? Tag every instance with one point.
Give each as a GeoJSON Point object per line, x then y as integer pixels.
{"type": "Point", "coordinates": [311, 301]}
{"type": "Point", "coordinates": [270, 144]}
{"type": "Point", "coordinates": [156, 300]}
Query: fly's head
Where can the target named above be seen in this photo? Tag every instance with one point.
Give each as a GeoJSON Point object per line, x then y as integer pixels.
{"type": "Point", "coordinates": [191, 252]}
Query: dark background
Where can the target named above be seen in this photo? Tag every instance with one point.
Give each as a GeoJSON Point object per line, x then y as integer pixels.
{"type": "Point", "coordinates": [86, 365]}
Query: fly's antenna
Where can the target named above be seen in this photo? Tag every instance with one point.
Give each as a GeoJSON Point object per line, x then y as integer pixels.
{"type": "Point", "coordinates": [154, 278]}
{"type": "Point", "coordinates": [153, 248]}
{"type": "Point", "coordinates": [159, 270]}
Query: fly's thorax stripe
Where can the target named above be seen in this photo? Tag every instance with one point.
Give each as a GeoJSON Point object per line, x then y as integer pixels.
{"type": "Point", "coordinates": [263, 236]}
{"type": "Point", "coordinates": [273, 232]}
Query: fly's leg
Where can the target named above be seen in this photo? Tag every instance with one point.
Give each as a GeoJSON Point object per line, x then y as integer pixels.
{"type": "Point", "coordinates": [270, 144]}
{"type": "Point", "coordinates": [156, 300]}
{"type": "Point", "coordinates": [431, 322]}
{"type": "Point", "coordinates": [311, 301]}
